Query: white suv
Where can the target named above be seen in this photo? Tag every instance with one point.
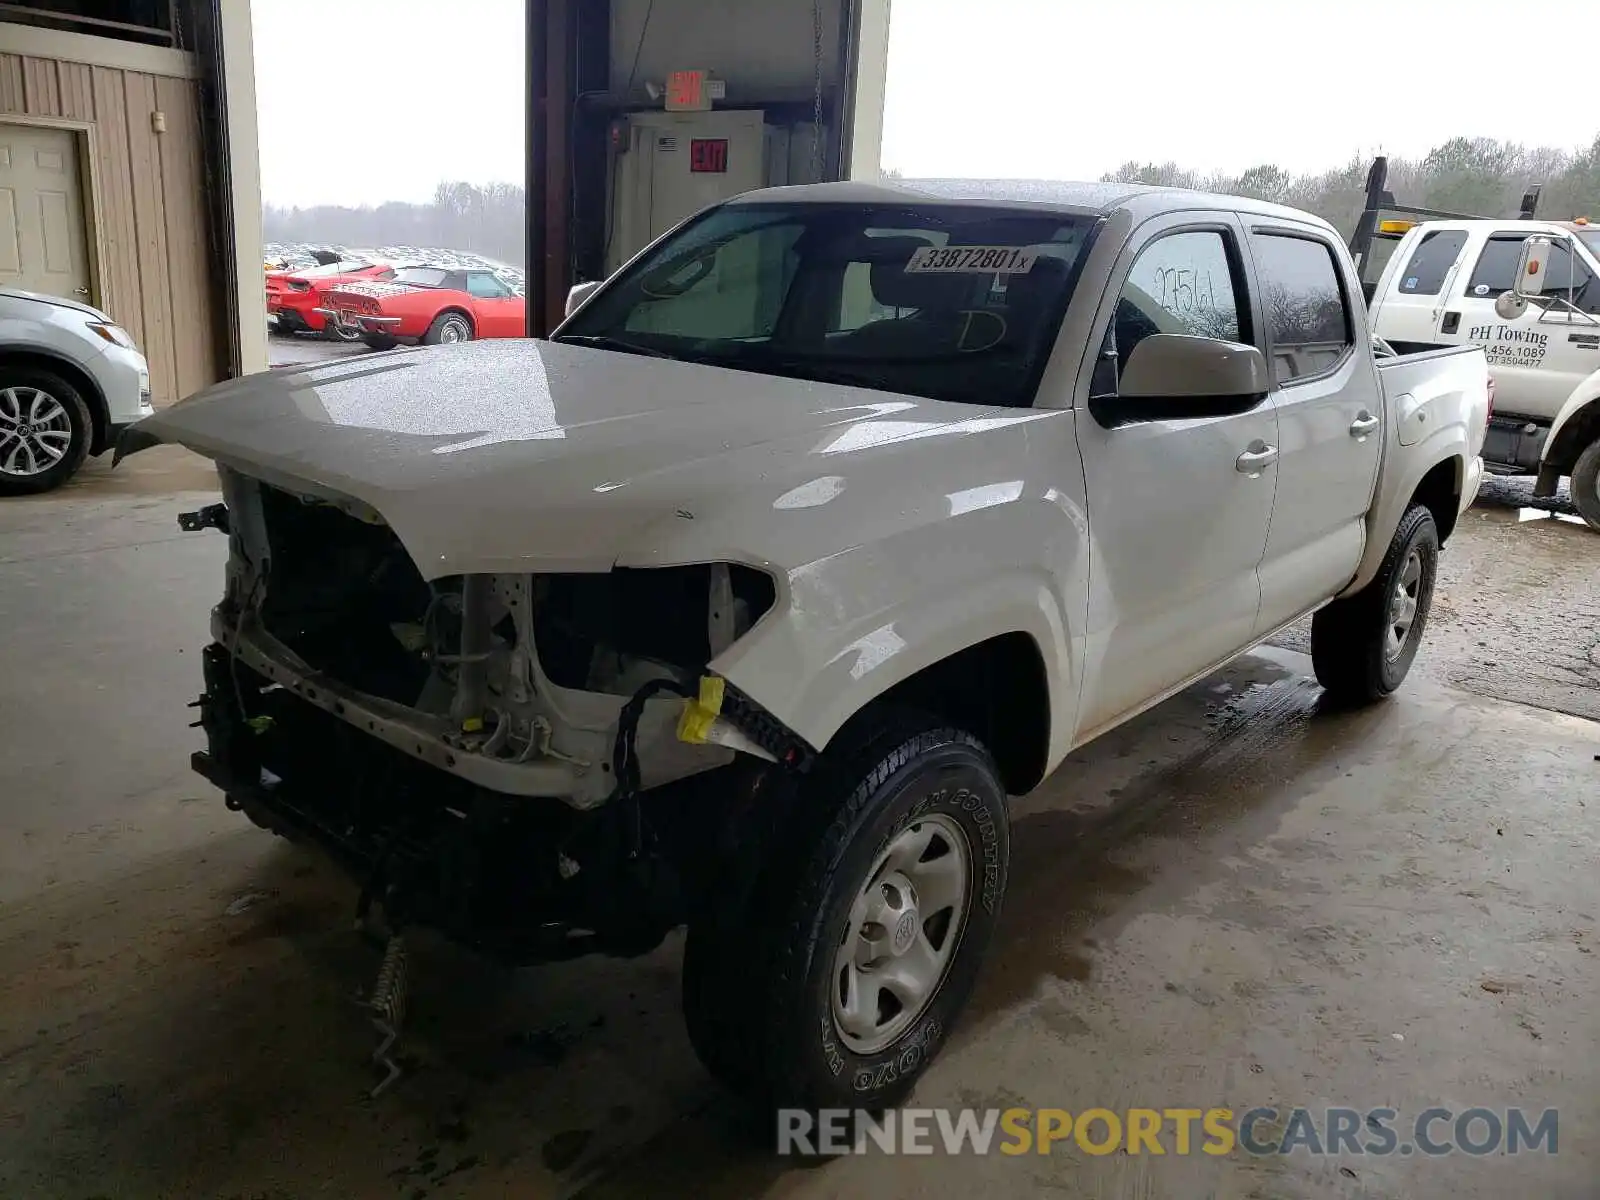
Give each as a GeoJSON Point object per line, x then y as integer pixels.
{"type": "Point", "coordinates": [71, 380]}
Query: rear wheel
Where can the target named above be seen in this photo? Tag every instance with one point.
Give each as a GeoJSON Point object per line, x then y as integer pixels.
{"type": "Point", "coordinates": [836, 983]}
{"type": "Point", "coordinates": [1585, 485]}
{"type": "Point", "coordinates": [45, 431]}
{"type": "Point", "coordinates": [448, 327]}
{"type": "Point", "coordinates": [1362, 646]}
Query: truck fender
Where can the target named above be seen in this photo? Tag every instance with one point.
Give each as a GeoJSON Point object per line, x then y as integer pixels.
{"type": "Point", "coordinates": [815, 677]}
{"type": "Point", "coordinates": [1575, 427]}
{"type": "Point", "coordinates": [1403, 473]}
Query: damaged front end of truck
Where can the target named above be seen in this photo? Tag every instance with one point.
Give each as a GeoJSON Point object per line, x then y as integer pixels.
{"type": "Point", "coordinates": [538, 764]}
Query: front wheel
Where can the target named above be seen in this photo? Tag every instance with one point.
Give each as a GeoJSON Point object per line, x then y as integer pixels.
{"type": "Point", "coordinates": [1362, 646]}
{"type": "Point", "coordinates": [44, 431]}
{"type": "Point", "coordinates": [1585, 485]}
{"type": "Point", "coordinates": [837, 983]}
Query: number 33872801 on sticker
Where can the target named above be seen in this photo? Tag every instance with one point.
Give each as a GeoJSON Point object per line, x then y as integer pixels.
{"type": "Point", "coordinates": [973, 260]}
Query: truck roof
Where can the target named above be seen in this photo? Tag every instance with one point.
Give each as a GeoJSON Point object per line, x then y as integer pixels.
{"type": "Point", "coordinates": [1508, 224]}
{"type": "Point", "coordinates": [1076, 199]}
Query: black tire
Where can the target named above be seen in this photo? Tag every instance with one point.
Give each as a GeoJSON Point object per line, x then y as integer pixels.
{"type": "Point", "coordinates": [1584, 485]}
{"type": "Point", "coordinates": [379, 341]}
{"type": "Point", "coordinates": [759, 976]}
{"type": "Point", "coordinates": [1351, 651]}
{"type": "Point", "coordinates": [29, 382]}
{"type": "Point", "coordinates": [449, 326]}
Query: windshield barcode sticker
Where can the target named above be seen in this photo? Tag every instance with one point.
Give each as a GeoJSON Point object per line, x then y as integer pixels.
{"type": "Point", "coordinates": [974, 260]}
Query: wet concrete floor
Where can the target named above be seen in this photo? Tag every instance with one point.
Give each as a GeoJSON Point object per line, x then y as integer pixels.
{"type": "Point", "coordinates": [1237, 900]}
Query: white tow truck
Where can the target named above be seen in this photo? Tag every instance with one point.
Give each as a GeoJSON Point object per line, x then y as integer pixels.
{"type": "Point", "coordinates": [743, 602]}
{"type": "Point", "coordinates": [1528, 292]}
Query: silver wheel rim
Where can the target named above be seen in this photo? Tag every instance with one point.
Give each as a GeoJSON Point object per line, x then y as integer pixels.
{"type": "Point", "coordinates": [453, 331]}
{"type": "Point", "coordinates": [901, 934]}
{"type": "Point", "coordinates": [1403, 606]}
{"type": "Point", "coordinates": [35, 431]}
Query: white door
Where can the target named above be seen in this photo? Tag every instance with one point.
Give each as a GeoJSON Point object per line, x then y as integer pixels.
{"type": "Point", "coordinates": [1330, 421]}
{"type": "Point", "coordinates": [42, 245]}
{"type": "Point", "coordinates": [1178, 508]}
{"type": "Point", "coordinates": [1539, 358]}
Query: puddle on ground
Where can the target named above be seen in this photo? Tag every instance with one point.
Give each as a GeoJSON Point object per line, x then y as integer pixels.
{"type": "Point", "coordinates": [1539, 514]}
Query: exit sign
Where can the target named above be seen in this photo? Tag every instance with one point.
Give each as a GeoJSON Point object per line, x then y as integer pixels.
{"type": "Point", "coordinates": [688, 91]}
{"type": "Point", "coordinates": [708, 156]}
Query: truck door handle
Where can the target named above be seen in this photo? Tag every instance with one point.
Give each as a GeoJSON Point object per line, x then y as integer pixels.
{"type": "Point", "coordinates": [1256, 459]}
{"type": "Point", "coordinates": [1364, 424]}
{"type": "Point", "coordinates": [1451, 323]}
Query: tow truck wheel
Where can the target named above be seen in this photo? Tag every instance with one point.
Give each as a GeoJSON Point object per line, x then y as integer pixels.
{"type": "Point", "coordinates": [834, 986]}
{"type": "Point", "coordinates": [1362, 646]}
{"type": "Point", "coordinates": [1585, 485]}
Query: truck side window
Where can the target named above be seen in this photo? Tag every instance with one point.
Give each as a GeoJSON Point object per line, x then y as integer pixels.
{"type": "Point", "coordinates": [1180, 283]}
{"type": "Point", "coordinates": [1431, 261]}
{"type": "Point", "coordinates": [1497, 266]}
{"type": "Point", "coordinates": [1308, 317]}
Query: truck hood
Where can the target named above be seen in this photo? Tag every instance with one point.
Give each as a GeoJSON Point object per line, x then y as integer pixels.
{"type": "Point", "coordinates": [519, 455]}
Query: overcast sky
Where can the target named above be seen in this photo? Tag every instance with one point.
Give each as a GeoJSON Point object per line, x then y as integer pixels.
{"type": "Point", "coordinates": [1040, 88]}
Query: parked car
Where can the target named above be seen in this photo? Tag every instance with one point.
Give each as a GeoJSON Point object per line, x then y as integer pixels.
{"type": "Point", "coordinates": [744, 602]}
{"type": "Point", "coordinates": [71, 379]}
{"type": "Point", "coordinates": [295, 299]}
{"type": "Point", "coordinates": [427, 305]}
{"type": "Point", "coordinates": [1469, 282]}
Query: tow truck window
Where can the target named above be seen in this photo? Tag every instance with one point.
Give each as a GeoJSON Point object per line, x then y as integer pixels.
{"type": "Point", "coordinates": [1497, 268]}
{"type": "Point", "coordinates": [1431, 261]}
{"type": "Point", "coordinates": [1308, 318]}
{"type": "Point", "coordinates": [941, 301]}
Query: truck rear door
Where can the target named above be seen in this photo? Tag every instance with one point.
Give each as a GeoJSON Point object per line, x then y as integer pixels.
{"type": "Point", "coordinates": [1410, 303]}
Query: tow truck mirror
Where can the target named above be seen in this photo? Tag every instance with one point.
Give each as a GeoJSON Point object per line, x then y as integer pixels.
{"type": "Point", "coordinates": [1175, 375]}
{"type": "Point", "coordinates": [581, 292]}
{"type": "Point", "coordinates": [1528, 280]}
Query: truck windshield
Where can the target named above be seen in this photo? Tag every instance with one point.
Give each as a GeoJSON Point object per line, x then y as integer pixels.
{"type": "Point", "coordinates": [1591, 239]}
{"type": "Point", "coordinates": [940, 301]}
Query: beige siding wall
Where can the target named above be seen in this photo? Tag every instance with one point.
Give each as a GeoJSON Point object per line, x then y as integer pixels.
{"type": "Point", "coordinates": [146, 211]}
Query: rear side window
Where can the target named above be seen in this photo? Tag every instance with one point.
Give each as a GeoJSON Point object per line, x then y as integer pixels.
{"type": "Point", "coordinates": [1308, 317]}
{"type": "Point", "coordinates": [1431, 261]}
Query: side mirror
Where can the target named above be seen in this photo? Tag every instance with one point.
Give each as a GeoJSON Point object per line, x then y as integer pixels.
{"type": "Point", "coordinates": [1527, 281]}
{"type": "Point", "coordinates": [580, 293]}
{"type": "Point", "coordinates": [1174, 375]}
{"type": "Point", "coordinates": [1531, 266]}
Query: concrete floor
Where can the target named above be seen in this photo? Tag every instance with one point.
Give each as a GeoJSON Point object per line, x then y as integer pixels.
{"type": "Point", "coordinates": [1236, 900]}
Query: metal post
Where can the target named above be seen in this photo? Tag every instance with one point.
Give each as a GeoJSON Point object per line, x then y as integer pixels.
{"type": "Point", "coordinates": [534, 168]}
{"type": "Point", "coordinates": [557, 160]}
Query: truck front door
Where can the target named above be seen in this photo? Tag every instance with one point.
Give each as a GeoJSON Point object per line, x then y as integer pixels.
{"type": "Point", "coordinates": [1539, 358]}
{"type": "Point", "coordinates": [1178, 508]}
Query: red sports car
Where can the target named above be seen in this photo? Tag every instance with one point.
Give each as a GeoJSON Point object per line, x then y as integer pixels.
{"type": "Point", "coordinates": [295, 298]}
{"type": "Point", "coordinates": [427, 305]}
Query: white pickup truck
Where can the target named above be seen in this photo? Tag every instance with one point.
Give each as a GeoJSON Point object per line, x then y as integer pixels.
{"type": "Point", "coordinates": [837, 515]}
{"type": "Point", "coordinates": [1528, 292]}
